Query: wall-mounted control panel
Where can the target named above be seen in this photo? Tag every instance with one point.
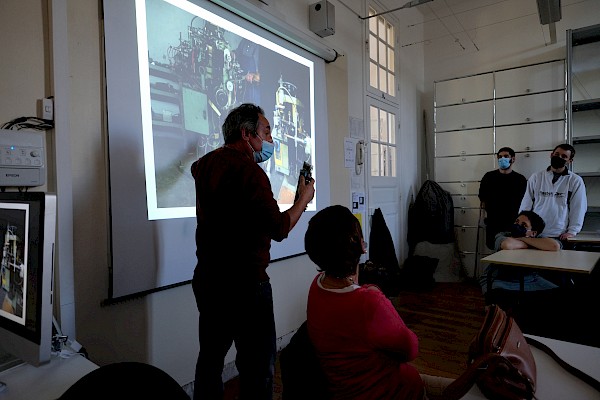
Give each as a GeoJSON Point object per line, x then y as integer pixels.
{"type": "Point", "coordinates": [22, 158]}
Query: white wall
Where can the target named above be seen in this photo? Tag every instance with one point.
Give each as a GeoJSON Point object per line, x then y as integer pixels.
{"type": "Point", "coordinates": [412, 142]}
{"type": "Point", "coordinates": [501, 45]}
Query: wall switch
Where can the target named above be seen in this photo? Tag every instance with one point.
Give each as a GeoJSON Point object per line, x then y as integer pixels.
{"type": "Point", "coordinates": [47, 109]}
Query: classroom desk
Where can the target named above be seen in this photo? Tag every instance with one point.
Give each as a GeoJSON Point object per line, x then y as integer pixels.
{"type": "Point", "coordinates": [46, 382]}
{"type": "Point", "coordinates": [553, 382]}
{"type": "Point", "coordinates": [534, 317]}
{"type": "Point", "coordinates": [585, 237]}
{"type": "Point", "coordinates": [562, 260]}
{"type": "Point", "coordinates": [585, 240]}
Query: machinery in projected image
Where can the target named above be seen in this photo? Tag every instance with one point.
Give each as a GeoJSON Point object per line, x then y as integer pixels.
{"type": "Point", "coordinates": [198, 72]}
{"type": "Point", "coordinates": [291, 139]}
{"type": "Point", "coordinates": [12, 273]}
{"type": "Point", "coordinates": [214, 78]}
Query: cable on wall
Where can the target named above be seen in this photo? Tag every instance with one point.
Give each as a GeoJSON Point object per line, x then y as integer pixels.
{"type": "Point", "coordinates": [29, 123]}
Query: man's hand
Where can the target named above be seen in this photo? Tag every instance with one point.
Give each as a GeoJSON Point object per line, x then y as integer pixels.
{"type": "Point", "coordinates": [305, 193]}
{"type": "Point", "coordinates": [306, 190]}
{"type": "Point", "coordinates": [565, 236]}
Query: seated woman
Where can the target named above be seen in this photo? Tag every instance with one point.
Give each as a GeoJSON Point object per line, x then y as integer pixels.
{"type": "Point", "coordinates": [524, 234]}
{"type": "Point", "coordinates": [362, 343]}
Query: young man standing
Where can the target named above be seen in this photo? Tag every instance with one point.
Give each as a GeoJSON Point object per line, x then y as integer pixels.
{"type": "Point", "coordinates": [557, 195]}
{"type": "Point", "coordinates": [501, 192]}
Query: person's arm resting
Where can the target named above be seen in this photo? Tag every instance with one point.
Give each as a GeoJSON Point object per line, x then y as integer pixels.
{"type": "Point", "coordinates": [387, 332]}
{"type": "Point", "coordinates": [547, 244]}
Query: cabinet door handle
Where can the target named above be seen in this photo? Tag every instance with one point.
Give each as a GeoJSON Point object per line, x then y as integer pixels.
{"type": "Point", "coordinates": [462, 153]}
{"type": "Point", "coordinates": [463, 126]}
{"type": "Point", "coordinates": [527, 90]}
{"type": "Point", "coordinates": [527, 148]}
{"type": "Point", "coordinates": [527, 155]}
{"type": "Point", "coordinates": [463, 198]}
{"type": "Point", "coordinates": [527, 119]}
{"type": "Point", "coordinates": [463, 184]}
{"type": "Point", "coordinates": [463, 159]}
{"type": "Point", "coordinates": [463, 100]}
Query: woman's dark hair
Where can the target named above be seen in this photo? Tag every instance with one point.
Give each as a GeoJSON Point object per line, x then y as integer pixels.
{"type": "Point", "coordinates": [243, 117]}
{"type": "Point", "coordinates": [333, 241]}
{"type": "Point", "coordinates": [537, 222]}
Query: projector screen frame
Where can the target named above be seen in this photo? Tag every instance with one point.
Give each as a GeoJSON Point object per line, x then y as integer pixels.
{"type": "Point", "coordinates": [168, 259]}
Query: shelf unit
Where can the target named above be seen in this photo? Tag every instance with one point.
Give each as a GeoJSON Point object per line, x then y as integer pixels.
{"type": "Point", "coordinates": [583, 95]}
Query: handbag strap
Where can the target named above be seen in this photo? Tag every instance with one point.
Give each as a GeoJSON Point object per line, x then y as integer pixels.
{"type": "Point", "coordinates": [461, 385]}
{"type": "Point", "coordinates": [568, 367]}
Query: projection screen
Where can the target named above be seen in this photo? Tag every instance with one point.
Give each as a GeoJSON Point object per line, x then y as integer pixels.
{"type": "Point", "coordinates": [174, 69]}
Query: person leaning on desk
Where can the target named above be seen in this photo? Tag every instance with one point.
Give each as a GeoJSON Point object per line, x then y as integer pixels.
{"type": "Point", "coordinates": [524, 234]}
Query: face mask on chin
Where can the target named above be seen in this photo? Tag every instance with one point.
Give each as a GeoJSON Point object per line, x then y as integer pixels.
{"type": "Point", "coordinates": [556, 162]}
{"type": "Point", "coordinates": [265, 153]}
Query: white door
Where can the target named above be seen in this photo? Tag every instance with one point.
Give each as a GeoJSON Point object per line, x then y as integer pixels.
{"type": "Point", "coordinates": [381, 172]}
{"type": "Point", "coordinates": [382, 176]}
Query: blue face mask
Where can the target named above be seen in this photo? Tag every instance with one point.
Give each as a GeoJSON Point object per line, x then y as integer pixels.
{"type": "Point", "coordinates": [504, 163]}
{"type": "Point", "coordinates": [265, 153]}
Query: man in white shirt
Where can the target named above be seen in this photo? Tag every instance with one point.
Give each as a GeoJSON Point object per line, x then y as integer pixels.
{"type": "Point", "coordinates": [557, 195]}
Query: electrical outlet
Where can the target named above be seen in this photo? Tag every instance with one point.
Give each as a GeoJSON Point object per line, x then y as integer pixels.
{"type": "Point", "coordinates": [47, 109]}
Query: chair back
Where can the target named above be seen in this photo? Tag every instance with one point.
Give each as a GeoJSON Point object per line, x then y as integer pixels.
{"type": "Point", "coordinates": [301, 374]}
{"type": "Point", "coordinates": [126, 380]}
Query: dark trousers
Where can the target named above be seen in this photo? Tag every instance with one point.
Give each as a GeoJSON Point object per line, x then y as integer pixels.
{"type": "Point", "coordinates": [246, 319]}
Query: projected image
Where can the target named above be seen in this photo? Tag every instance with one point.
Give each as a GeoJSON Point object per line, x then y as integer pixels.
{"type": "Point", "coordinates": [195, 67]}
{"type": "Point", "coordinates": [13, 266]}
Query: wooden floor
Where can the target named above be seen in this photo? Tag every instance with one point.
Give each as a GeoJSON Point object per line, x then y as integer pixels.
{"type": "Point", "coordinates": [445, 319]}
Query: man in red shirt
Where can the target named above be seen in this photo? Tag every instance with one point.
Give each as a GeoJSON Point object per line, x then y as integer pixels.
{"type": "Point", "coordinates": [237, 218]}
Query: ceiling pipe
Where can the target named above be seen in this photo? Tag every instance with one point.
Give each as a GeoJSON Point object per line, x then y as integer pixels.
{"type": "Point", "coordinates": [410, 4]}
